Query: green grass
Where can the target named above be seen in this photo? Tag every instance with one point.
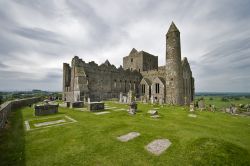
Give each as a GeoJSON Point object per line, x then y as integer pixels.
{"type": "Point", "coordinates": [216, 100]}
{"type": "Point", "coordinates": [213, 138]}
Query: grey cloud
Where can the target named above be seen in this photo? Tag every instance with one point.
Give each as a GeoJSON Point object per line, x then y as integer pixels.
{"type": "Point", "coordinates": [38, 34]}
{"type": "Point", "coordinates": [215, 38]}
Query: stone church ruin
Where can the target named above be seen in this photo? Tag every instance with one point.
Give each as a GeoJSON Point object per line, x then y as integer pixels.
{"type": "Point", "coordinates": [172, 83]}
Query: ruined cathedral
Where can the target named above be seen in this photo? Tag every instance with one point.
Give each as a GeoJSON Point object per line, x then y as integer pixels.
{"type": "Point", "coordinates": [172, 83]}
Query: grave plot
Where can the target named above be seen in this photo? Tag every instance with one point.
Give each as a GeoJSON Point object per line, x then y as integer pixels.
{"type": "Point", "coordinates": [101, 113]}
{"type": "Point", "coordinates": [158, 146]}
{"type": "Point", "coordinates": [40, 123]}
{"type": "Point", "coordinates": [120, 109]}
{"type": "Point", "coordinates": [129, 136]}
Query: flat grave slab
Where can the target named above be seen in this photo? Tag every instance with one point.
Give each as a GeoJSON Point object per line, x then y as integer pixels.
{"type": "Point", "coordinates": [101, 113]}
{"type": "Point", "coordinates": [192, 115]}
{"type": "Point", "coordinates": [129, 136]}
{"type": "Point", "coordinates": [40, 123]}
{"type": "Point", "coordinates": [121, 109]}
{"type": "Point", "coordinates": [158, 146]}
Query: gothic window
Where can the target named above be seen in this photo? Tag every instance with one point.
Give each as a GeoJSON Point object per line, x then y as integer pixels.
{"type": "Point", "coordinates": [157, 88]}
{"type": "Point", "coordinates": [143, 88]}
{"type": "Point", "coordinates": [131, 59]}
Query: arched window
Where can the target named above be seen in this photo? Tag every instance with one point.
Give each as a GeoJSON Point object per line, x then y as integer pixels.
{"type": "Point", "coordinates": [157, 88]}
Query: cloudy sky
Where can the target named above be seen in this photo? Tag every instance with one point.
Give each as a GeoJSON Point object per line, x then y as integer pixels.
{"type": "Point", "coordinates": [37, 36]}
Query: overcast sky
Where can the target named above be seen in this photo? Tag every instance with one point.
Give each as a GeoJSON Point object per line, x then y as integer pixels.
{"type": "Point", "coordinates": [37, 36]}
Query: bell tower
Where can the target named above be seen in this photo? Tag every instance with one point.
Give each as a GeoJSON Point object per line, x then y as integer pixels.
{"type": "Point", "coordinates": [174, 75]}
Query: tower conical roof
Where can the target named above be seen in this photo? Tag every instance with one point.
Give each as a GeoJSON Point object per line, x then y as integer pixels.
{"type": "Point", "coordinates": [173, 28]}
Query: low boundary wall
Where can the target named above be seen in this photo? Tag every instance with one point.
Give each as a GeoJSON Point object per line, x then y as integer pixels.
{"type": "Point", "coordinates": [6, 108]}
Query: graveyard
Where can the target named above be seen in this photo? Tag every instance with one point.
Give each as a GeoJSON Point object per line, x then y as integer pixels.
{"type": "Point", "coordinates": [76, 136]}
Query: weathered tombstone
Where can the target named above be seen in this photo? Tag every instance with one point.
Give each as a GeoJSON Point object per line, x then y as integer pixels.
{"type": "Point", "coordinates": [124, 99]}
{"type": "Point", "coordinates": [46, 109]}
{"type": "Point", "coordinates": [95, 106]}
{"type": "Point", "coordinates": [158, 146]}
{"type": "Point", "coordinates": [234, 110]}
{"type": "Point", "coordinates": [76, 104]}
{"type": "Point", "coordinates": [120, 97]}
{"type": "Point", "coordinates": [153, 112]}
{"type": "Point", "coordinates": [152, 100]}
{"type": "Point", "coordinates": [133, 108]}
{"type": "Point", "coordinates": [191, 107]}
{"type": "Point", "coordinates": [128, 137]}
{"type": "Point", "coordinates": [131, 96]}
{"type": "Point", "coordinates": [201, 105]}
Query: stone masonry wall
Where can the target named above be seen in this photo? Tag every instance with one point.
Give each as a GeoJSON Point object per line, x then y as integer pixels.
{"type": "Point", "coordinates": [6, 108]}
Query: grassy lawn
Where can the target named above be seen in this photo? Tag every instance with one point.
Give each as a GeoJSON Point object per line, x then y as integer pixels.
{"type": "Point", "coordinates": [216, 100]}
{"type": "Point", "coordinates": [212, 138]}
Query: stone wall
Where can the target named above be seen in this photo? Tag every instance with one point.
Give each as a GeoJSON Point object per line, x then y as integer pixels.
{"type": "Point", "coordinates": [99, 82]}
{"type": "Point", "coordinates": [6, 108]}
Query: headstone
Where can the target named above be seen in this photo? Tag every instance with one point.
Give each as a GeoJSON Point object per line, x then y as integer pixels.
{"type": "Point", "coordinates": [201, 105]}
{"type": "Point", "coordinates": [46, 109]}
{"type": "Point", "coordinates": [120, 97]}
{"type": "Point", "coordinates": [95, 106]}
{"type": "Point", "coordinates": [131, 96]}
{"type": "Point", "coordinates": [76, 104]}
{"type": "Point", "coordinates": [234, 110]}
{"type": "Point", "coordinates": [133, 108]}
{"type": "Point", "coordinates": [152, 100]}
{"type": "Point", "coordinates": [158, 146]}
{"type": "Point", "coordinates": [129, 136]}
{"type": "Point", "coordinates": [153, 112]}
{"type": "Point", "coordinates": [191, 107]}
{"type": "Point", "coordinates": [124, 99]}
{"type": "Point", "coordinates": [88, 100]}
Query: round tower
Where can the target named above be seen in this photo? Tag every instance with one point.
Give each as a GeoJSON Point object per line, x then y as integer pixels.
{"type": "Point", "coordinates": [174, 76]}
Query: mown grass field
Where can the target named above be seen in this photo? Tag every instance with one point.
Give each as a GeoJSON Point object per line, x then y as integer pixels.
{"type": "Point", "coordinates": [212, 138]}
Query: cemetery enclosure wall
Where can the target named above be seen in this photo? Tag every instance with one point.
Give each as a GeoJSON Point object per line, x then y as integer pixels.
{"type": "Point", "coordinates": [6, 108]}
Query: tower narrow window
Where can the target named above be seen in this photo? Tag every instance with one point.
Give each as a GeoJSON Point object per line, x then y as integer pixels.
{"type": "Point", "coordinates": [115, 84]}
{"type": "Point", "coordinates": [131, 59]}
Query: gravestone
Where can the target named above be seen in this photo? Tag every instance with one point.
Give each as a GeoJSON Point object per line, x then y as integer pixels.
{"type": "Point", "coordinates": [124, 99]}
{"type": "Point", "coordinates": [153, 112]}
{"type": "Point", "coordinates": [95, 106]}
{"type": "Point", "coordinates": [152, 100]}
{"type": "Point", "coordinates": [129, 136]}
{"type": "Point", "coordinates": [120, 97]}
{"type": "Point", "coordinates": [77, 104]}
{"type": "Point", "coordinates": [201, 105]}
{"type": "Point", "coordinates": [46, 109]}
{"type": "Point", "coordinates": [191, 107]}
{"type": "Point", "coordinates": [158, 146]}
{"type": "Point", "coordinates": [133, 108]}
